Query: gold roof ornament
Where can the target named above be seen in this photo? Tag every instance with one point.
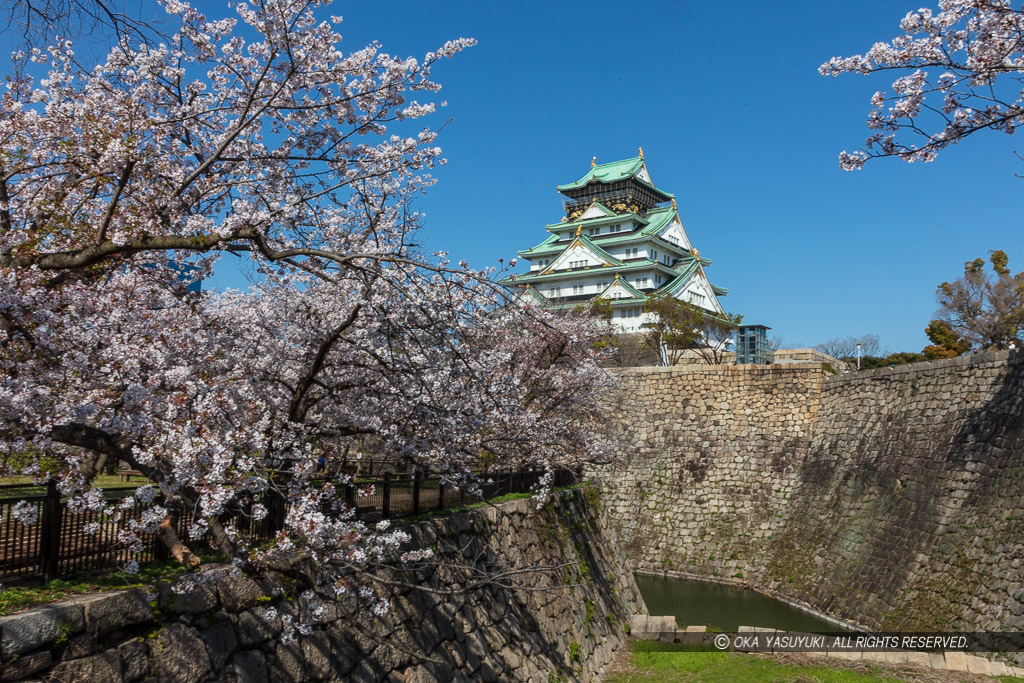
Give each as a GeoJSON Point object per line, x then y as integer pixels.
{"type": "Point", "coordinates": [616, 276]}
{"type": "Point", "coordinates": [696, 254]}
{"type": "Point", "coordinates": [674, 204]}
{"type": "Point", "coordinates": [579, 229]}
{"type": "Point", "coordinates": [641, 152]}
{"type": "Point", "coordinates": [593, 162]}
{"type": "Point", "coordinates": [564, 219]}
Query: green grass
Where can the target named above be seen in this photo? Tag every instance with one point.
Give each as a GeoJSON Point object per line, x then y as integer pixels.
{"type": "Point", "coordinates": [104, 481]}
{"type": "Point", "coordinates": [16, 599]}
{"type": "Point", "coordinates": [672, 664]}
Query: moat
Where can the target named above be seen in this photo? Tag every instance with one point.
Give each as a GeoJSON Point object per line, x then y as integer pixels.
{"type": "Point", "coordinates": [723, 608]}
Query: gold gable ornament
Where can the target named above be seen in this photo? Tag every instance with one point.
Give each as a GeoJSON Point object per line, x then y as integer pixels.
{"type": "Point", "coordinates": [593, 162]}
{"type": "Point", "coordinates": [641, 153]}
{"type": "Point", "coordinates": [579, 229]}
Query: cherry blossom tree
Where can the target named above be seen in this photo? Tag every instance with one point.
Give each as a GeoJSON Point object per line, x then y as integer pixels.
{"type": "Point", "coordinates": [256, 138]}
{"type": "Point", "coordinates": [962, 71]}
{"type": "Point", "coordinates": [38, 21]}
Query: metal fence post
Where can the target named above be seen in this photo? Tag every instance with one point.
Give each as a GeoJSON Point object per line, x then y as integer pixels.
{"type": "Point", "coordinates": [49, 541]}
{"type": "Point", "coordinates": [350, 495]}
{"type": "Point", "coordinates": [415, 491]}
{"type": "Point", "coordinates": [386, 496]}
{"type": "Point", "coordinates": [280, 511]}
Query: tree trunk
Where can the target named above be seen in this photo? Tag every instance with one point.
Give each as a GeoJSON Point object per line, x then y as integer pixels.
{"type": "Point", "coordinates": [169, 537]}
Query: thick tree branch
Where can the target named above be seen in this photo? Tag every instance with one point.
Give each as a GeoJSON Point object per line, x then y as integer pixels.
{"type": "Point", "coordinates": [121, 183]}
{"type": "Point", "coordinates": [298, 407]}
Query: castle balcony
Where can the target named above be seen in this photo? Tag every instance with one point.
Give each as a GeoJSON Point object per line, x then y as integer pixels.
{"type": "Point", "coordinates": [620, 198]}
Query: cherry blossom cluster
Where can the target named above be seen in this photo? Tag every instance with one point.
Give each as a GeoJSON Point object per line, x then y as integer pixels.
{"type": "Point", "coordinates": [124, 182]}
{"type": "Point", "coordinates": [967, 74]}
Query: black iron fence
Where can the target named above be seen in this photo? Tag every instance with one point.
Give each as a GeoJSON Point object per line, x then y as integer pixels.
{"type": "Point", "coordinates": [62, 541]}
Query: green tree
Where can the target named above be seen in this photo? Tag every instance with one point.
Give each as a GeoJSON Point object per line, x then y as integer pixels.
{"type": "Point", "coordinates": [898, 358]}
{"type": "Point", "coordinates": [680, 326]}
{"type": "Point", "coordinates": [619, 349]}
{"type": "Point", "coordinates": [945, 342]}
{"type": "Point", "coordinates": [982, 309]}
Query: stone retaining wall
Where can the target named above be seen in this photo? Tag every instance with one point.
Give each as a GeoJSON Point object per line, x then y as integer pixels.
{"type": "Point", "coordinates": [521, 627]}
{"type": "Point", "coordinates": [890, 498]}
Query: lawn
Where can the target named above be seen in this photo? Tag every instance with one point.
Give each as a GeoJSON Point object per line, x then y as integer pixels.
{"type": "Point", "coordinates": [104, 481]}
{"type": "Point", "coordinates": [658, 663]}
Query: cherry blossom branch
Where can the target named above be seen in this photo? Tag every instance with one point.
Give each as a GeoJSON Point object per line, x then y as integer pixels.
{"type": "Point", "coordinates": [989, 35]}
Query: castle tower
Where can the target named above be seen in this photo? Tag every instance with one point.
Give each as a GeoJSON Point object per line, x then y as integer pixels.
{"type": "Point", "coordinates": [621, 240]}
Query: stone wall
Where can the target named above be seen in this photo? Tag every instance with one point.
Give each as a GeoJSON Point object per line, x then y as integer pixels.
{"type": "Point", "coordinates": [889, 498]}
{"type": "Point", "coordinates": [560, 618]}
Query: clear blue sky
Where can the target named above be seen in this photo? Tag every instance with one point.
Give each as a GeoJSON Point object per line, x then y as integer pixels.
{"type": "Point", "coordinates": [726, 100]}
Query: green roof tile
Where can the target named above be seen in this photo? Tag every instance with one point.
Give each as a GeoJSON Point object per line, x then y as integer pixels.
{"type": "Point", "coordinates": [625, 285]}
{"type": "Point", "coordinates": [594, 222]}
{"type": "Point", "coordinates": [549, 243]}
{"type": "Point", "coordinates": [612, 172]}
{"type": "Point", "coordinates": [607, 173]}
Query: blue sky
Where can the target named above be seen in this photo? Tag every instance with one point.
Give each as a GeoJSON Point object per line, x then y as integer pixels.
{"type": "Point", "coordinates": [726, 100]}
{"type": "Point", "coordinates": [734, 119]}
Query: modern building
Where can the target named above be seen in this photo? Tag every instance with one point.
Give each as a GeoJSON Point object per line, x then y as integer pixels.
{"type": "Point", "coordinates": [621, 240]}
{"type": "Point", "coordinates": [752, 346]}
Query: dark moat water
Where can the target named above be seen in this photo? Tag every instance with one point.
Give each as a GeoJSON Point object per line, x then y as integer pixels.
{"type": "Point", "coordinates": [723, 608]}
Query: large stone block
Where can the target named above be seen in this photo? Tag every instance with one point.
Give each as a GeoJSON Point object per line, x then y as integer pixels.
{"type": "Point", "coordinates": [180, 655]}
{"type": "Point", "coordinates": [257, 625]}
{"type": "Point", "coordinates": [247, 666]}
{"type": "Point", "coordinates": [238, 592]}
{"type": "Point", "coordinates": [25, 666]}
{"type": "Point", "coordinates": [200, 598]}
{"type": "Point", "coordinates": [105, 667]}
{"type": "Point", "coordinates": [38, 626]}
{"type": "Point", "coordinates": [220, 641]}
{"type": "Point", "coordinates": [134, 660]}
{"type": "Point", "coordinates": [106, 612]}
